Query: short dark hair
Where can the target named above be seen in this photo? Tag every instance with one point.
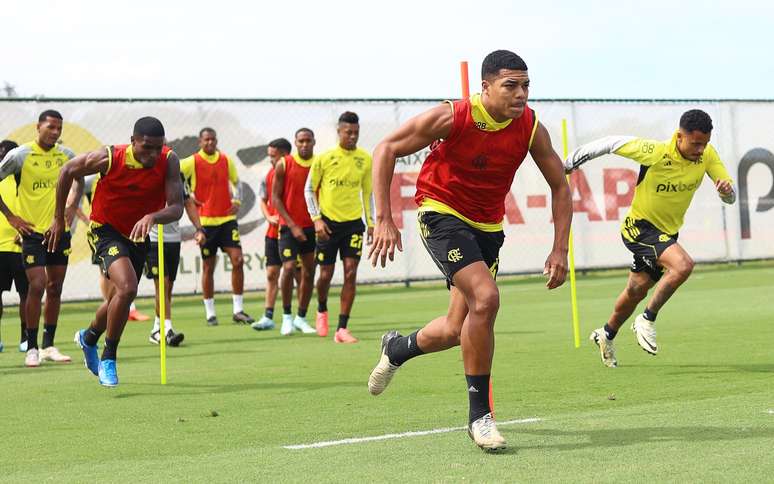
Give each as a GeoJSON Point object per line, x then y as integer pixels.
{"type": "Point", "coordinates": [696, 120]}
{"type": "Point", "coordinates": [281, 144]}
{"type": "Point", "coordinates": [207, 129]}
{"type": "Point", "coordinates": [501, 59]}
{"type": "Point", "coordinates": [304, 130]}
{"type": "Point", "coordinates": [349, 117]}
{"type": "Point", "coordinates": [7, 145]}
{"type": "Point", "coordinates": [49, 113]}
{"type": "Point", "coordinates": [148, 126]}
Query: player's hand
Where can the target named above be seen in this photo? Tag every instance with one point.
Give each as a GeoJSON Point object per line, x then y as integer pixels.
{"type": "Point", "coordinates": [235, 206]}
{"type": "Point", "coordinates": [370, 235]}
{"type": "Point", "coordinates": [200, 237]}
{"type": "Point", "coordinates": [54, 234]}
{"type": "Point", "coordinates": [298, 233]}
{"type": "Point", "coordinates": [82, 216]}
{"type": "Point", "coordinates": [21, 225]}
{"type": "Point", "coordinates": [17, 239]}
{"type": "Point", "coordinates": [386, 238]}
{"type": "Point", "coordinates": [556, 268]}
{"type": "Point", "coordinates": [195, 201]}
{"type": "Point", "coordinates": [724, 187]}
{"type": "Point", "coordinates": [321, 229]}
{"type": "Point", "coordinates": [273, 219]}
{"type": "Point", "coordinates": [142, 228]}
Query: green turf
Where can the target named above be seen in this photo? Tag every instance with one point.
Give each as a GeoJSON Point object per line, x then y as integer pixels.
{"type": "Point", "coordinates": [700, 411]}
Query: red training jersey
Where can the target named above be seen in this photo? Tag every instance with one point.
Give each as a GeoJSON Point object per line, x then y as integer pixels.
{"type": "Point", "coordinates": [472, 170]}
{"type": "Point", "coordinates": [213, 188]}
{"type": "Point", "coordinates": [293, 193]}
{"type": "Point", "coordinates": [129, 191]}
{"type": "Point", "coordinates": [272, 231]}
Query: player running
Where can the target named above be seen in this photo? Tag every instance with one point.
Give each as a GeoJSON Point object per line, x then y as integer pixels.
{"type": "Point", "coordinates": [139, 187]}
{"type": "Point", "coordinates": [670, 173]}
{"type": "Point", "coordinates": [338, 194]}
{"type": "Point", "coordinates": [461, 192]}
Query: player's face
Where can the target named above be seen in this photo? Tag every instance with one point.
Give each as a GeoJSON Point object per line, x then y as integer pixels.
{"type": "Point", "coordinates": [49, 131]}
{"type": "Point", "coordinates": [506, 94]}
{"type": "Point", "coordinates": [305, 144]}
{"type": "Point", "coordinates": [692, 145]}
{"type": "Point", "coordinates": [274, 155]}
{"type": "Point", "coordinates": [147, 149]}
{"type": "Point", "coordinates": [348, 135]}
{"type": "Point", "coordinates": [208, 142]}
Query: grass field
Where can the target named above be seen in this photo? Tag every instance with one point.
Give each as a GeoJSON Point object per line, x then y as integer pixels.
{"type": "Point", "coordinates": [701, 411]}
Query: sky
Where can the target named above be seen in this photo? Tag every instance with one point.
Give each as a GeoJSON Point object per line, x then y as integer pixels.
{"type": "Point", "coordinates": [387, 49]}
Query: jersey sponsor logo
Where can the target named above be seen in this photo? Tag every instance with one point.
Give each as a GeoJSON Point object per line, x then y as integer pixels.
{"type": "Point", "coordinates": [677, 187]}
{"type": "Point", "coordinates": [343, 182]}
{"type": "Point", "coordinates": [43, 185]}
{"type": "Point", "coordinates": [454, 255]}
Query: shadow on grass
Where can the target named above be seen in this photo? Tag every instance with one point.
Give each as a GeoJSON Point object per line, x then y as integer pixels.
{"type": "Point", "coordinates": [617, 437]}
{"type": "Point", "coordinates": [177, 389]}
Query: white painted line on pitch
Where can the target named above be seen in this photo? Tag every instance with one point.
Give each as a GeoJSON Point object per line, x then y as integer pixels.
{"type": "Point", "coordinates": [358, 440]}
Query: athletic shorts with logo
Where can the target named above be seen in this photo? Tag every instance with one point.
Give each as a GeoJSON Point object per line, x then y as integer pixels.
{"type": "Point", "coordinates": [12, 272]}
{"type": "Point", "coordinates": [220, 237]}
{"type": "Point", "coordinates": [171, 260]}
{"type": "Point", "coordinates": [108, 245]}
{"type": "Point", "coordinates": [647, 243]}
{"type": "Point", "coordinates": [35, 253]}
{"type": "Point", "coordinates": [272, 252]}
{"type": "Point", "coordinates": [346, 239]}
{"type": "Point", "coordinates": [290, 247]}
{"type": "Point", "coordinates": [454, 245]}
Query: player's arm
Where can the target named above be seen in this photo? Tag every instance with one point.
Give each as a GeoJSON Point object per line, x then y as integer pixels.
{"type": "Point", "coordinates": [263, 194]}
{"type": "Point", "coordinates": [321, 229]}
{"type": "Point", "coordinates": [236, 187]}
{"type": "Point", "coordinates": [719, 175]}
{"type": "Point", "coordinates": [368, 204]}
{"type": "Point", "coordinates": [550, 165]}
{"type": "Point", "coordinates": [277, 194]}
{"type": "Point", "coordinates": [627, 146]}
{"type": "Point", "coordinates": [415, 134]}
{"type": "Point", "coordinates": [97, 161]}
{"type": "Point", "coordinates": [11, 165]}
{"type": "Point", "coordinates": [193, 213]}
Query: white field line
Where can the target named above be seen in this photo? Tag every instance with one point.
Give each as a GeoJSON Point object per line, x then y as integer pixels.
{"type": "Point", "coordinates": [419, 433]}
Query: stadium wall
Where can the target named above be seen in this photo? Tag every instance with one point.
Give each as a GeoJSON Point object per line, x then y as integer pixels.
{"type": "Point", "coordinates": [602, 190]}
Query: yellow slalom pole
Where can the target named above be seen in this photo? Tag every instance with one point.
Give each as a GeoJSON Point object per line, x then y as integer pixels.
{"type": "Point", "coordinates": [162, 307]}
{"type": "Point", "coordinates": [573, 288]}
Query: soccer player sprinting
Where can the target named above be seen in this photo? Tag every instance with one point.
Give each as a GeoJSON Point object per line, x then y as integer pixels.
{"type": "Point", "coordinates": [35, 167]}
{"type": "Point", "coordinates": [278, 149]}
{"type": "Point", "coordinates": [211, 175]}
{"type": "Point", "coordinates": [338, 194]}
{"type": "Point", "coordinates": [461, 192]}
{"type": "Point", "coordinates": [11, 266]}
{"type": "Point", "coordinates": [139, 187]}
{"type": "Point", "coordinates": [296, 230]}
{"type": "Point", "coordinates": [670, 173]}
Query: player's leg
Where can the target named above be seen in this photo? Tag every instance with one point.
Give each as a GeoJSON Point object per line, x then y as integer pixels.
{"type": "Point", "coordinates": [351, 248]}
{"type": "Point", "coordinates": [208, 286]}
{"type": "Point", "coordinates": [305, 287]}
{"type": "Point", "coordinates": [171, 264]}
{"type": "Point", "coordinates": [36, 275]}
{"type": "Point", "coordinates": [273, 265]}
{"type": "Point", "coordinates": [237, 285]}
{"type": "Point", "coordinates": [55, 275]}
{"type": "Point", "coordinates": [288, 250]}
{"type": "Point", "coordinates": [679, 266]}
{"type": "Point", "coordinates": [326, 251]}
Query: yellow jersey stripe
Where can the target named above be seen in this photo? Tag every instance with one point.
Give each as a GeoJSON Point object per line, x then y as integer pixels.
{"type": "Point", "coordinates": [430, 205]}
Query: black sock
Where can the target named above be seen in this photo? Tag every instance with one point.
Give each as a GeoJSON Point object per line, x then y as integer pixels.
{"type": "Point", "coordinates": [301, 313]}
{"type": "Point", "coordinates": [343, 320]}
{"type": "Point", "coordinates": [650, 315]}
{"type": "Point", "coordinates": [111, 348]}
{"type": "Point", "coordinates": [322, 306]}
{"type": "Point", "coordinates": [403, 348]}
{"type": "Point", "coordinates": [49, 330]}
{"type": "Point", "coordinates": [269, 313]}
{"type": "Point", "coordinates": [478, 395]}
{"type": "Point", "coordinates": [610, 332]}
{"type": "Point", "coordinates": [32, 338]}
{"type": "Point", "coordinates": [91, 336]}
{"type": "Point", "coordinates": [287, 309]}
{"type": "Point", "coordinates": [23, 336]}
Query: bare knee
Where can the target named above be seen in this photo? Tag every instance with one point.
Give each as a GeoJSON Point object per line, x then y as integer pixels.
{"type": "Point", "coordinates": [350, 276]}
{"type": "Point", "coordinates": [486, 303]}
{"type": "Point", "coordinates": [54, 288]}
{"type": "Point", "coordinates": [237, 262]}
{"type": "Point", "coordinates": [126, 291]}
{"type": "Point", "coordinates": [685, 268]}
{"type": "Point", "coordinates": [636, 291]}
